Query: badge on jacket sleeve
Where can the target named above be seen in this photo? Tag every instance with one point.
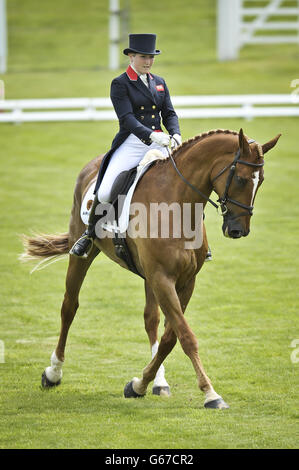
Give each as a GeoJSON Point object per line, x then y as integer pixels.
{"type": "Point", "coordinates": [159, 87]}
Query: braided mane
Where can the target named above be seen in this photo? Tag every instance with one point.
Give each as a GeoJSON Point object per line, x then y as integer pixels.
{"type": "Point", "coordinates": [197, 138]}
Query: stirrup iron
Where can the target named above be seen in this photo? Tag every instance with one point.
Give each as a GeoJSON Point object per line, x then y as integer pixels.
{"type": "Point", "coordinates": [84, 250]}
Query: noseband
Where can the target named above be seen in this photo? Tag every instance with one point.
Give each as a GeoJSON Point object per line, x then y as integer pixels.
{"type": "Point", "coordinates": [224, 198]}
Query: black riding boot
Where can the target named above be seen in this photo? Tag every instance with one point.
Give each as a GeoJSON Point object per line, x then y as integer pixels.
{"type": "Point", "coordinates": [83, 246]}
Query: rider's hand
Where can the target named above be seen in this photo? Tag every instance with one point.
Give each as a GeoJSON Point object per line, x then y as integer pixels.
{"type": "Point", "coordinates": [160, 138]}
{"type": "Point", "coordinates": [176, 140]}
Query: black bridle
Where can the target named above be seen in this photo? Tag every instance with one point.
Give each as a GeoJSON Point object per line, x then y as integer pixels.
{"type": "Point", "coordinates": [224, 199]}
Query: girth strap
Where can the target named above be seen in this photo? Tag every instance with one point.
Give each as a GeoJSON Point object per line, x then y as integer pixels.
{"type": "Point", "coordinates": [122, 186]}
{"type": "Point", "coordinates": [123, 252]}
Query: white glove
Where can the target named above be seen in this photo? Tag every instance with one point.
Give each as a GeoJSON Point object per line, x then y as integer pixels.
{"type": "Point", "coordinates": [160, 138]}
{"type": "Point", "coordinates": [176, 140]}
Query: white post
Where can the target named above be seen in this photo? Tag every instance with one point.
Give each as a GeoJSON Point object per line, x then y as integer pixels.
{"type": "Point", "coordinates": [228, 29]}
{"type": "Point", "coordinates": [114, 34]}
{"type": "Point", "coordinates": [3, 37]}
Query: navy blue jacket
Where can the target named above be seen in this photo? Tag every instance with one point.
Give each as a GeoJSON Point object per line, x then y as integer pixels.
{"type": "Point", "coordinates": [139, 109]}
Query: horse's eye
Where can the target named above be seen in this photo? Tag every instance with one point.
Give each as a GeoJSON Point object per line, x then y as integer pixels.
{"type": "Point", "coordinates": [241, 181]}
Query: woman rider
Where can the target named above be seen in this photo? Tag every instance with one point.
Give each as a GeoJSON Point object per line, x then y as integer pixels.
{"type": "Point", "coordinates": [140, 100]}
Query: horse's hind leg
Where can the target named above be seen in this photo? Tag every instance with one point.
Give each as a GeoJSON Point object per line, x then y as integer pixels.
{"type": "Point", "coordinates": [151, 322]}
{"type": "Point", "coordinates": [77, 270]}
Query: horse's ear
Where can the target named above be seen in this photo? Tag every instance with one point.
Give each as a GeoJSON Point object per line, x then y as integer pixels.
{"type": "Point", "coordinates": [243, 144]}
{"type": "Point", "coordinates": [269, 145]}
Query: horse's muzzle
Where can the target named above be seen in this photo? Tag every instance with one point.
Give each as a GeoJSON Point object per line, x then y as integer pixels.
{"type": "Point", "coordinates": [233, 227]}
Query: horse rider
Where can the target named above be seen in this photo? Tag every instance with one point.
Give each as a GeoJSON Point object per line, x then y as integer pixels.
{"type": "Point", "coordinates": [140, 99]}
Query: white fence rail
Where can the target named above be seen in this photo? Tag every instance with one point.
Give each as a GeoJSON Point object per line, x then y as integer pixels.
{"type": "Point", "coordinates": [187, 107]}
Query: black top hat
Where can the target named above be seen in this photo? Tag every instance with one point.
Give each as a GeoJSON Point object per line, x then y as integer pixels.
{"type": "Point", "coordinates": [142, 44]}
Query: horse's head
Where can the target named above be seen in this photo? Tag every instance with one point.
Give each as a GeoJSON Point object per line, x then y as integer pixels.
{"type": "Point", "coordinates": [236, 179]}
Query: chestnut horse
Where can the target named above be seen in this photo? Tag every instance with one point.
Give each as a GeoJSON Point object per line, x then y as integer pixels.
{"type": "Point", "coordinates": [223, 161]}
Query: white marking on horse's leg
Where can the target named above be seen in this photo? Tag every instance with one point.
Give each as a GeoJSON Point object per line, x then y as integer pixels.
{"type": "Point", "coordinates": [255, 183]}
{"type": "Point", "coordinates": [211, 395]}
{"type": "Point", "coordinates": [54, 372]}
{"type": "Point", "coordinates": [138, 387]}
{"type": "Point", "coordinates": [159, 380]}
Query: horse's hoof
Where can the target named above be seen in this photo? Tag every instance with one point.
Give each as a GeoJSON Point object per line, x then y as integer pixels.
{"type": "Point", "coordinates": [129, 392]}
{"type": "Point", "coordinates": [46, 383]}
{"type": "Point", "coordinates": [161, 391]}
{"type": "Point", "coordinates": [218, 404]}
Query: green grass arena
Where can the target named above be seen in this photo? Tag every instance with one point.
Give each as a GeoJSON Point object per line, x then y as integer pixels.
{"type": "Point", "coordinates": [244, 310]}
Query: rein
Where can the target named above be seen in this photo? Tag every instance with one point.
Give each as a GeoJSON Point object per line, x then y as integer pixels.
{"type": "Point", "coordinates": [188, 183]}
{"type": "Point", "coordinates": [223, 199]}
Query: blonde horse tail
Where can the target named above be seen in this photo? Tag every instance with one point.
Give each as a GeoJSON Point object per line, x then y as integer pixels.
{"type": "Point", "coordinates": [46, 248]}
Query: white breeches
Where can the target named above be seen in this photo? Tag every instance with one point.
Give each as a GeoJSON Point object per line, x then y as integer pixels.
{"type": "Point", "coordinates": [126, 156]}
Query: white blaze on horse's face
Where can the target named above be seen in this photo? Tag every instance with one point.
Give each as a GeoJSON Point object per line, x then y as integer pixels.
{"type": "Point", "coordinates": [256, 178]}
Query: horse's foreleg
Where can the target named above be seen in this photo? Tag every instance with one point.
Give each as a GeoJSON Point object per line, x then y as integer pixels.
{"type": "Point", "coordinates": [168, 340]}
{"type": "Point", "coordinates": [77, 270]}
{"type": "Point", "coordinates": [151, 322]}
{"type": "Point", "coordinates": [137, 387]}
{"type": "Point", "coordinates": [172, 306]}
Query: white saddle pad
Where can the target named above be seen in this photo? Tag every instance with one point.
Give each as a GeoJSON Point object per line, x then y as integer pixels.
{"type": "Point", "coordinates": [87, 203]}
{"type": "Point", "coordinates": [123, 222]}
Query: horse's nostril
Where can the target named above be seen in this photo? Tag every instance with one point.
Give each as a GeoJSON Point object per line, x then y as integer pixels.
{"type": "Point", "coordinates": [235, 233]}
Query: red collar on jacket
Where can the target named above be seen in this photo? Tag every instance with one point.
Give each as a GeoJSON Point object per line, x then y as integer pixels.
{"type": "Point", "coordinates": [133, 75]}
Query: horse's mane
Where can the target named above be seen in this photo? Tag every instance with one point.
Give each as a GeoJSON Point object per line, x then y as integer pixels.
{"type": "Point", "coordinates": [197, 138]}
